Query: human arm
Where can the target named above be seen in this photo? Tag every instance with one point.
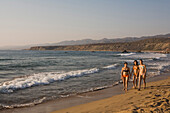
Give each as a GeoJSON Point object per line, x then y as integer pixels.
{"type": "Point", "coordinates": [122, 73]}
{"type": "Point", "coordinates": [145, 70]}
{"type": "Point", "coordinates": [131, 73]}
{"type": "Point", "coordinates": [138, 70]}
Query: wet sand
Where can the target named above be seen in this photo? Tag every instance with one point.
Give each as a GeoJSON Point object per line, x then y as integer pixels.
{"type": "Point", "coordinates": [79, 101]}
{"type": "Point", "coordinates": [155, 98]}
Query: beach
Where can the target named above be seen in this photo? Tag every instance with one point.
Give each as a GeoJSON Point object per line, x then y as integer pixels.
{"type": "Point", "coordinates": [84, 56]}
{"type": "Point", "coordinates": [155, 98]}
{"type": "Point", "coordinates": [108, 100]}
{"type": "Point", "coordinates": [48, 81]}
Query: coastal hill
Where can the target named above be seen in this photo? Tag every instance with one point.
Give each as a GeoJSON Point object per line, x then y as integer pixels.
{"type": "Point", "coordinates": [106, 40]}
{"type": "Point", "coordinates": [85, 41]}
{"type": "Point", "coordinates": [150, 44]}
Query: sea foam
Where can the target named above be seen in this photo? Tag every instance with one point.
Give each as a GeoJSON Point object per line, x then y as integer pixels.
{"type": "Point", "coordinates": [150, 55]}
{"type": "Point", "coordinates": [126, 54]}
{"type": "Point", "coordinates": [110, 66]}
{"type": "Point", "coordinates": [41, 79]}
{"type": "Point", "coordinates": [45, 78]}
{"type": "Point", "coordinates": [35, 102]}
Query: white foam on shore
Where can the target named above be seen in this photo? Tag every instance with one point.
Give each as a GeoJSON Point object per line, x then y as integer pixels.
{"type": "Point", "coordinates": [126, 60]}
{"type": "Point", "coordinates": [159, 66]}
{"type": "Point", "coordinates": [110, 66]}
{"type": "Point", "coordinates": [150, 55]}
{"type": "Point", "coordinates": [45, 78]}
{"type": "Point", "coordinates": [41, 79]}
{"type": "Point", "coordinates": [23, 105]}
{"type": "Point", "coordinates": [126, 54]}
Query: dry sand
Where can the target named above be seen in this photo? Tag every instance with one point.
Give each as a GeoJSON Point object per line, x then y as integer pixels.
{"type": "Point", "coordinates": [129, 101]}
{"type": "Point", "coordinates": [154, 99]}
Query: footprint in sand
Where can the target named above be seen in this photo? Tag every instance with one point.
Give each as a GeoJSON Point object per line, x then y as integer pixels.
{"type": "Point", "coordinates": [166, 100]}
{"type": "Point", "coordinates": [130, 98]}
{"type": "Point", "coordinates": [150, 92]}
{"type": "Point", "coordinates": [135, 107]}
{"type": "Point", "coordinates": [152, 87]}
{"type": "Point", "coordinates": [158, 103]}
{"type": "Point", "coordinates": [157, 110]}
{"type": "Point", "coordinates": [164, 105]}
{"type": "Point", "coordinates": [147, 97]}
{"type": "Point", "coordinates": [130, 103]}
{"type": "Point", "coordinates": [141, 110]}
{"type": "Point", "coordinates": [164, 92]}
{"type": "Point", "coordinates": [157, 95]}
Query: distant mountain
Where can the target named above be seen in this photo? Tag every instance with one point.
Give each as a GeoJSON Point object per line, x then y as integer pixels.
{"type": "Point", "coordinates": [149, 44]}
{"type": "Point", "coordinates": [85, 41]}
{"type": "Point", "coordinates": [105, 40]}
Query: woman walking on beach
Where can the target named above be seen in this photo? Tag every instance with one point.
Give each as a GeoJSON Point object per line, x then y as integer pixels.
{"type": "Point", "coordinates": [125, 73]}
{"type": "Point", "coordinates": [142, 74]}
{"type": "Point", "coordinates": [135, 72]}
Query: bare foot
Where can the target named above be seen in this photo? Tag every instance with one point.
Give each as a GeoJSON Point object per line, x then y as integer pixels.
{"type": "Point", "coordinates": [134, 87]}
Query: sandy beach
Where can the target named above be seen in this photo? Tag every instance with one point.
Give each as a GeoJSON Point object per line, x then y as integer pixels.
{"type": "Point", "coordinates": [113, 99]}
{"type": "Point", "coordinates": [85, 56]}
{"type": "Point", "coordinates": [155, 98]}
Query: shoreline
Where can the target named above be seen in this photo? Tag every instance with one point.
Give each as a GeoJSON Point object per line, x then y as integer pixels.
{"type": "Point", "coordinates": [128, 51]}
{"type": "Point", "coordinates": [155, 98]}
{"type": "Point", "coordinates": [83, 98]}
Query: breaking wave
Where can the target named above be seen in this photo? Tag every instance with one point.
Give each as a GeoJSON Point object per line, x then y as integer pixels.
{"type": "Point", "coordinates": [110, 66]}
{"type": "Point", "coordinates": [41, 79]}
{"type": "Point", "coordinates": [126, 54]}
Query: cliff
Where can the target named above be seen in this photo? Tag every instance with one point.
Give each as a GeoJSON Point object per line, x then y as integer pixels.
{"type": "Point", "coordinates": [152, 44]}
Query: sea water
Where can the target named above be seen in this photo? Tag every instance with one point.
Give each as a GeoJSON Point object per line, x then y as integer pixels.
{"type": "Point", "coordinates": [32, 77]}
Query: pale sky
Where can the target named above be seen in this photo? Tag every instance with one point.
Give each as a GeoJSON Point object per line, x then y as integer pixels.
{"type": "Point", "coordinates": [24, 22]}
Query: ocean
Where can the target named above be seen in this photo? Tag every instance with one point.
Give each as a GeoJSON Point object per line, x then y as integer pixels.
{"type": "Point", "coordinates": [33, 77]}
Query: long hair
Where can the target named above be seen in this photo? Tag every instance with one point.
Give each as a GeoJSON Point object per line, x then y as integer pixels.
{"type": "Point", "coordinates": [141, 61]}
{"type": "Point", "coordinates": [125, 63]}
{"type": "Point", "coordinates": [136, 62]}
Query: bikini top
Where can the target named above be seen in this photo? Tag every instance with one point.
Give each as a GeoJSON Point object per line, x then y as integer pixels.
{"type": "Point", "coordinates": [125, 70]}
{"type": "Point", "coordinates": [141, 67]}
{"type": "Point", "coordinates": [135, 67]}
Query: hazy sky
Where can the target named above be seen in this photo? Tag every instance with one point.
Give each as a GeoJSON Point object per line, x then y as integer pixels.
{"type": "Point", "coordinates": [25, 22]}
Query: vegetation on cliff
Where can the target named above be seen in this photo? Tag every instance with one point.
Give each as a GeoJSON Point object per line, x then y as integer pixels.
{"type": "Point", "coordinates": [151, 44]}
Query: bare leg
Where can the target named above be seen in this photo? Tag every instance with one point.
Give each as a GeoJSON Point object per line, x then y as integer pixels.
{"type": "Point", "coordinates": [144, 82]}
{"type": "Point", "coordinates": [123, 83]}
{"type": "Point", "coordinates": [139, 85]}
{"type": "Point", "coordinates": [134, 81]}
{"type": "Point", "coordinates": [127, 78]}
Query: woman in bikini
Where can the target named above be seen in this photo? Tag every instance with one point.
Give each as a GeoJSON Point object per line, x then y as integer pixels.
{"type": "Point", "coordinates": [125, 73]}
{"type": "Point", "coordinates": [135, 72]}
{"type": "Point", "coordinates": [142, 74]}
